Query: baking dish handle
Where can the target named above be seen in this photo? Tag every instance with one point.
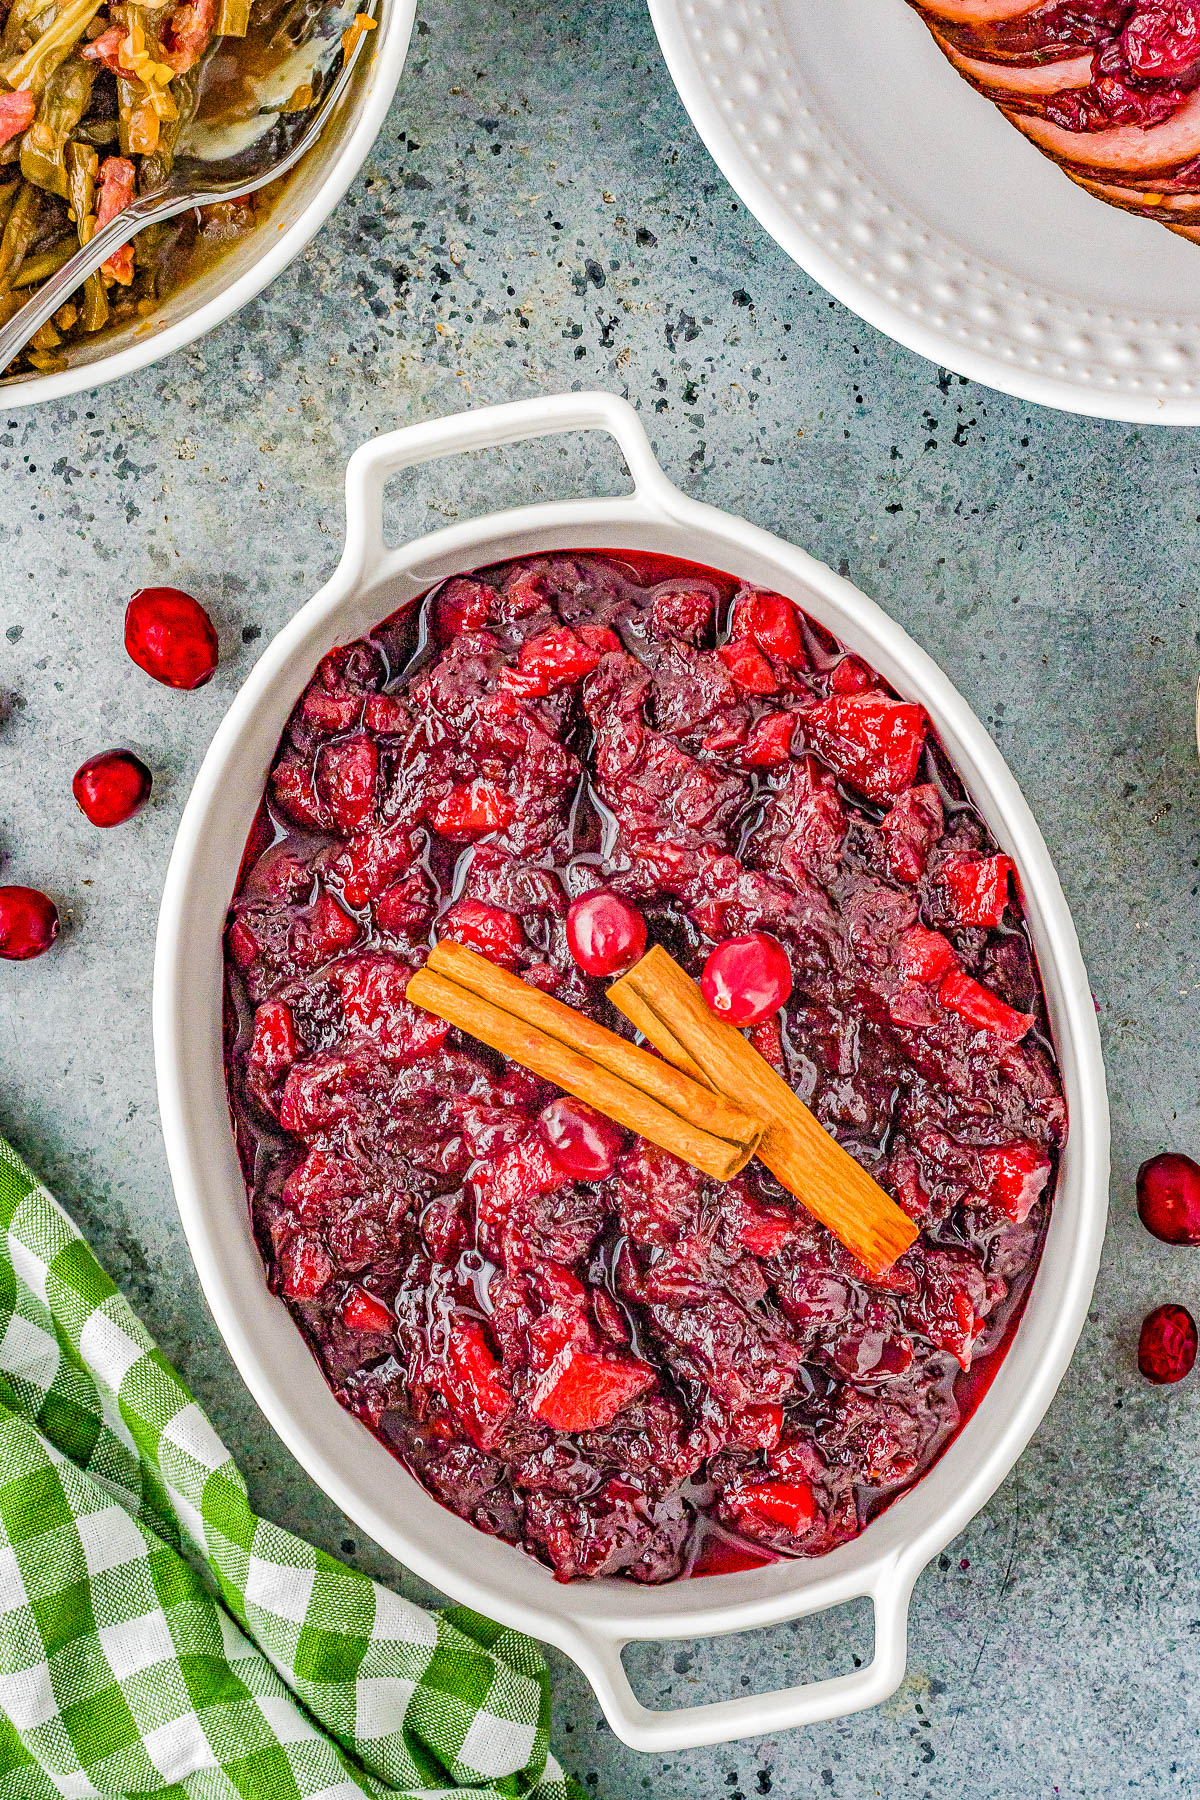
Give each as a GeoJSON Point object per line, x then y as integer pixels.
{"type": "Point", "coordinates": [485, 428]}
{"type": "Point", "coordinates": [598, 1654]}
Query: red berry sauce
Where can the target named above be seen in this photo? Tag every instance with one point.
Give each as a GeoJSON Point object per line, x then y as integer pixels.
{"type": "Point", "coordinates": [110, 788]}
{"type": "Point", "coordinates": [171, 637]}
{"type": "Point", "coordinates": [1167, 1345]}
{"type": "Point", "coordinates": [572, 1339]}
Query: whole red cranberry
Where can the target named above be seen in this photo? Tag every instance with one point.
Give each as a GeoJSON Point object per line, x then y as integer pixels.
{"type": "Point", "coordinates": [170, 635]}
{"type": "Point", "coordinates": [1167, 1346]}
{"type": "Point", "coordinates": [580, 1139]}
{"type": "Point", "coordinates": [1162, 43]}
{"type": "Point", "coordinates": [28, 923]}
{"type": "Point", "coordinates": [1168, 1198]}
{"type": "Point", "coordinates": [109, 788]}
{"type": "Point", "coordinates": [605, 934]}
{"type": "Point", "coordinates": [746, 979]}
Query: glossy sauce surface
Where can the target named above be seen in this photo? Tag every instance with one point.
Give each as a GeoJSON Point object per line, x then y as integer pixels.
{"type": "Point", "coordinates": [648, 1374]}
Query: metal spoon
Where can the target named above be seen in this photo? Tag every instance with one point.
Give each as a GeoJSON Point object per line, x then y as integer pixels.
{"type": "Point", "coordinates": [192, 182]}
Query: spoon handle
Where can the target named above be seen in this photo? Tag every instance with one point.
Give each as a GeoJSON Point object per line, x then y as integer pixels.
{"type": "Point", "coordinates": [46, 299]}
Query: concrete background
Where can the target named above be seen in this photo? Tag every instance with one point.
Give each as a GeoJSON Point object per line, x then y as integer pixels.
{"type": "Point", "coordinates": [539, 214]}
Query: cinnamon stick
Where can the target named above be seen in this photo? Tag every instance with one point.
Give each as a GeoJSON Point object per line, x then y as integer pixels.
{"type": "Point", "coordinates": [669, 1010]}
{"type": "Point", "coordinates": [570, 1068]}
{"type": "Point", "coordinates": [687, 1094]}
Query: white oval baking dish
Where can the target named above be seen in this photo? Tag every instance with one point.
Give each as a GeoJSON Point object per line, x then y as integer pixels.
{"type": "Point", "coordinates": [593, 1621]}
{"type": "Point", "coordinates": [218, 291]}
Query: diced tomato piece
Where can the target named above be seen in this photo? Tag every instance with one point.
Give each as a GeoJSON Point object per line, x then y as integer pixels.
{"type": "Point", "coordinates": [523, 1171]}
{"type": "Point", "coordinates": [787, 1503]}
{"type": "Point", "coordinates": [850, 676]}
{"type": "Point", "coordinates": [363, 1312]}
{"type": "Point", "coordinates": [306, 1267]}
{"type": "Point", "coordinates": [925, 955]}
{"type": "Point", "coordinates": [274, 1046]}
{"type": "Point", "coordinates": [114, 192]}
{"type": "Point", "coordinates": [243, 945]}
{"type": "Point", "coordinates": [748, 666]}
{"type": "Point", "coordinates": [471, 1383]}
{"type": "Point", "coordinates": [345, 777]}
{"type": "Point", "coordinates": [981, 1008]}
{"type": "Point", "coordinates": [582, 1391]}
{"type": "Point", "coordinates": [471, 810]}
{"type": "Point", "coordinates": [491, 930]}
{"type": "Point", "coordinates": [17, 113]}
{"type": "Point", "coordinates": [770, 741]}
{"type": "Point", "coordinates": [558, 658]}
{"type": "Point", "coordinates": [872, 741]}
{"type": "Point", "coordinates": [771, 622]}
{"type": "Point", "coordinates": [1015, 1174]}
{"type": "Point", "coordinates": [463, 605]}
{"type": "Point", "coordinates": [978, 888]}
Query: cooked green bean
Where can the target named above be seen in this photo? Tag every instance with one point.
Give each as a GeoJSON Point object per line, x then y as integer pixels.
{"type": "Point", "coordinates": [95, 96]}
{"type": "Point", "coordinates": [83, 166]}
{"type": "Point", "coordinates": [19, 231]}
{"type": "Point", "coordinates": [44, 146]}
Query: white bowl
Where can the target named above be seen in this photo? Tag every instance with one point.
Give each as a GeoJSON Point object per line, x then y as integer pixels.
{"type": "Point", "coordinates": [216, 293]}
{"type": "Point", "coordinates": [592, 1621]}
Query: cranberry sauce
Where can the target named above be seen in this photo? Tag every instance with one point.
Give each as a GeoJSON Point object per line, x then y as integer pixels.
{"type": "Point", "coordinates": [572, 1339]}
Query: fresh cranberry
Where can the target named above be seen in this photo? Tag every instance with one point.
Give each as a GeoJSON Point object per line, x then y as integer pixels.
{"type": "Point", "coordinates": [582, 1140]}
{"type": "Point", "coordinates": [28, 923]}
{"type": "Point", "coordinates": [747, 978]}
{"type": "Point", "coordinates": [1168, 1198]}
{"type": "Point", "coordinates": [605, 934]}
{"type": "Point", "coordinates": [1167, 1345]}
{"type": "Point", "coordinates": [109, 788]}
{"type": "Point", "coordinates": [171, 637]}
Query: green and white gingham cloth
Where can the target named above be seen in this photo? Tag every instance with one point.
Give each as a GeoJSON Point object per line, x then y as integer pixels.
{"type": "Point", "coordinates": [157, 1637]}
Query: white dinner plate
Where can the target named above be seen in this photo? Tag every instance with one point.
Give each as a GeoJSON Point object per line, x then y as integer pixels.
{"type": "Point", "coordinates": [909, 197]}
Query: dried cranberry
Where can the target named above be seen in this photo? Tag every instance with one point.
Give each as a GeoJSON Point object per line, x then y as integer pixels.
{"type": "Point", "coordinates": [581, 1140]}
{"type": "Point", "coordinates": [605, 934]}
{"type": "Point", "coordinates": [747, 978]}
{"type": "Point", "coordinates": [28, 923]}
{"type": "Point", "coordinates": [171, 637]}
{"type": "Point", "coordinates": [1167, 1344]}
{"type": "Point", "coordinates": [109, 788]}
{"type": "Point", "coordinates": [1168, 1198]}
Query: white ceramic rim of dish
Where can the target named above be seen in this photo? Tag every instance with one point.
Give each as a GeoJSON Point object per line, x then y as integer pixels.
{"type": "Point", "coordinates": [706, 75]}
{"type": "Point", "coordinates": [383, 68]}
{"type": "Point", "coordinates": [592, 1621]}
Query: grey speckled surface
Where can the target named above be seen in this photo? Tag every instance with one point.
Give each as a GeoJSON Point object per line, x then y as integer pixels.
{"type": "Point", "coordinates": [538, 214]}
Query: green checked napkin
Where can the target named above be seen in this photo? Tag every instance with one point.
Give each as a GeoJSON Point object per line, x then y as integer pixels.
{"type": "Point", "coordinates": [157, 1637]}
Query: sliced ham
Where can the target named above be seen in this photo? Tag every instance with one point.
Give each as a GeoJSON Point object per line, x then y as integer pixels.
{"type": "Point", "coordinates": [115, 190]}
{"type": "Point", "coordinates": [1006, 81]}
{"type": "Point", "coordinates": [1017, 56]}
{"type": "Point", "coordinates": [1126, 150]}
{"type": "Point", "coordinates": [17, 113]}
